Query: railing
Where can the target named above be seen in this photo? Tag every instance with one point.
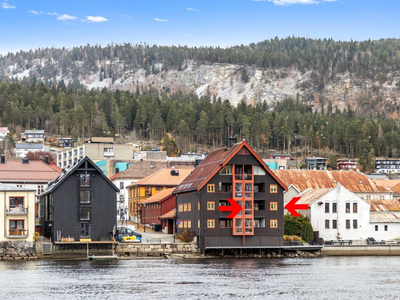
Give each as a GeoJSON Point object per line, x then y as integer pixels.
{"type": "Point", "coordinates": [16, 210]}
{"type": "Point", "coordinates": [17, 233]}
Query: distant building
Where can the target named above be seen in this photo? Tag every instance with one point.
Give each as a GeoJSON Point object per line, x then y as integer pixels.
{"type": "Point", "coordinates": [316, 163]}
{"type": "Point", "coordinates": [347, 164]}
{"type": "Point", "coordinates": [281, 156]}
{"type": "Point", "coordinates": [3, 132]}
{"type": "Point", "coordinates": [22, 149]}
{"type": "Point", "coordinates": [80, 203]}
{"type": "Point", "coordinates": [33, 136]}
{"type": "Point", "coordinates": [95, 149]}
{"type": "Point", "coordinates": [387, 166]}
{"type": "Point", "coordinates": [64, 142]}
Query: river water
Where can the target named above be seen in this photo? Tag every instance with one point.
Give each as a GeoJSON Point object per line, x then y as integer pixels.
{"type": "Point", "coordinates": [288, 278]}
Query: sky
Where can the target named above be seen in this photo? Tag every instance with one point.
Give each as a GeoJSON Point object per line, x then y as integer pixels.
{"type": "Point", "coordinates": [33, 24]}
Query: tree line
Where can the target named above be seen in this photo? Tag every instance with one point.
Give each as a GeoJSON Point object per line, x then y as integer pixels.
{"type": "Point", "coordinates": [288, 126]}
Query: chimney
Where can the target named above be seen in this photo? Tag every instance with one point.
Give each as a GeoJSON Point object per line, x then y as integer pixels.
{"type": "Point", "coordinates": [3, 159]}
{"type": "Point", "coordinates": [25, 161]}
{"type": "Point", "coordinates": [47, 159]}
{"type": "Point", "coordinates": [174, 172]}
{"type": "Point", "coordinates": [231, 141]}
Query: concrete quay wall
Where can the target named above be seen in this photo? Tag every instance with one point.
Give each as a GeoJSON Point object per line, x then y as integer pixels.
{"type": "Point", "coordinates": [365, 250]}
{"type": "Point", "coordinates": [139, 250]}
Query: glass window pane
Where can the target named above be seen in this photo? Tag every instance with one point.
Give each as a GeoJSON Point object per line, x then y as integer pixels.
{"type": "Point", "coordinates": [238, 223]}
{"type": "Point", "coordinates": [85, 196]}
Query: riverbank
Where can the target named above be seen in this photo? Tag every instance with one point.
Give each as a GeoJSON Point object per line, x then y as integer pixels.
{"type": "Point", "coordinates": [361, 250]}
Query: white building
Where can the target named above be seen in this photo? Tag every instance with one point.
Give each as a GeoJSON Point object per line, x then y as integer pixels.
{"type": "Point", "coordinates": [3, 132]}
{"type": "Point", "coordinates": [33, 136]}
{"type": "Point", "coordinates": [22, 149]}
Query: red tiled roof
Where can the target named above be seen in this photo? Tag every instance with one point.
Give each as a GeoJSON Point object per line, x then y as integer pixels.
{"type": "Point", "coordinates": [115, 176]}
{"type": "Point", "coordinates": [353, 181]}
{"type": "Point", "coordinates": [168, 215]}
{"type": "Point", "coordinates": [214, 162]}
{"type": "Point", "coordinates": [163, 178]}
{"type": "Point", "coordinates": [35, 170]}
{"type": "Point", "coordinates": [159, 196]}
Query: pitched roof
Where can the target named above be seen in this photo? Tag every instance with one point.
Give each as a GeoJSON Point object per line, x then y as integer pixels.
{"type": "Point", "coordinates": [384, 205]}
{"type": "Point", "coordinates": [159, 196]}
{"type": "Point", "coordinates": [142, 168]}
{"type": "Point", "coordinates": [10, 188]}
{"type": "Point", "coordinates": [214, 162]}
{"type": "Point", "coordinates": [115, 176]}
{"type": "Point", "coordinates": [35, 170]}
{"type": "Point", "coordinates": [384, 217]}
{"type": "Point", "coordinates": [64, 175]}
{"type": "Point", "coordinates": [396, 189]}
{"type": "Point", "coordinates": [353, 181]}
{"type": "Point", "coordinates": [163, 177]}
{"type": "Point", "coordinates": [29, 146]}
{"type": "Point", "coordinates": [311, 195]}
{"type": "Point", "coordinates": [168, 215]}
{"type": "Point", "coordinates": [387, 183]}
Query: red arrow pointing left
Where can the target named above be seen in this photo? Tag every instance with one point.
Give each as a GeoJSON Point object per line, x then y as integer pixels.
{"type": "Point", "coordinates": [235, 208]}
{"type": "Point", "coordinates": [292, 206]}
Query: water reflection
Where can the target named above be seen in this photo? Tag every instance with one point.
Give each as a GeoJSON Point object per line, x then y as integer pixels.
{"type": "Point", "coordinates": [294, 278]}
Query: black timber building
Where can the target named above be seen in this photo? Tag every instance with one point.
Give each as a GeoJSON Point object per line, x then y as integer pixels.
{"type": "Point", "coordinates": [80, 203]}
{"type": "Point", "coordinates": [232, 173]}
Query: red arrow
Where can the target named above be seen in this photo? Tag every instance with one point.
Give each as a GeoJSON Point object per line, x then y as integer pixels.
{"type": "Point", "coordinates": [292, 206]}
{"type": "Point", "coordinates": [235, 208]}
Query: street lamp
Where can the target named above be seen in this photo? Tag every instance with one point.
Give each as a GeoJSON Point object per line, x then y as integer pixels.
{"type": "Point", "coordinates": [173, 225]}
{"type": "Point", "coordinates": [144, 211]}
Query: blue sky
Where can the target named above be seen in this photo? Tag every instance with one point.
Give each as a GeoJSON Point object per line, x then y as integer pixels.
{"type": "Point", "coordinates": [32, 24]}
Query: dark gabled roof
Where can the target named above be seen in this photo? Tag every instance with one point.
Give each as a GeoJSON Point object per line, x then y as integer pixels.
{"type": "Point", "coordinates": [64, 175]}
{"type": "Point", "coordinates": [214, 162]}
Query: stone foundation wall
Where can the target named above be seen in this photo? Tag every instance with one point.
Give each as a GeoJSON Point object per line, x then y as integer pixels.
{"type": "Point", "coordinates": [17, 250]}
{"type": "Point", "coordinates": [133, 249]}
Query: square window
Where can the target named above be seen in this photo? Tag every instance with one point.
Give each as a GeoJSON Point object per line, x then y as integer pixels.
{"type": "Point", "coordinates": [355, 225]}
{"type": "Point", "coordinates": [185, 207]}
{"type": "Point", "coordinates": [85, 196]}
{"type": "Point", "coordinates": [210, 223]}
{"type": "Point", "coordinates": [185, 224]}
{"type": "Point", "coordinates": [84, 213]}
{"type": "Point", "coordinates": [180, 208]}
{"type": "Point", "coordinates": [327, 224]}
{"type": "Point", "coordinates": [180, 225]}
{"type": "Point", "coordinates": [273, 188]}
{"type": "Point", "coordinates": [273, 206]}
{"type": "Point", "coordinates": [334, 224]}
{"type": "Point", "coordinates": [84, 180]}
{"type": "Point", "coordinates": [273, 223]}
{"type": "Point", "coordinates": [189, 207]}
{"type": "Point", "coordinates": [210, 205]}
{"type": "Point", "coordinates": [210, 188]}
{"type": "Point", "coordinates": [189, 224]}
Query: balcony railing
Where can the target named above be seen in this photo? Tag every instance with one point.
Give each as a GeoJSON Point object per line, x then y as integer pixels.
{"type": "Point", "coordinates": [17, 233]}
{"type": "Point", "coordinates": [17, 210]}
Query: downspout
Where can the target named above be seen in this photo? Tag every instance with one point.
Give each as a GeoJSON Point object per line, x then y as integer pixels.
{"type": "Point", "coordinates": [5, 219]}
{"type": "Point", "coordinates": [201, 221]}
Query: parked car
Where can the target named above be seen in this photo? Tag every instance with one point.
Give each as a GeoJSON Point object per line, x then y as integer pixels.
{"type": "Point", "coordinates": [127, 231]}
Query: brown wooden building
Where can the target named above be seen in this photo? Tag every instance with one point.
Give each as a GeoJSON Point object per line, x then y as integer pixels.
{"type": "Point", "coordinates": [232, 173]}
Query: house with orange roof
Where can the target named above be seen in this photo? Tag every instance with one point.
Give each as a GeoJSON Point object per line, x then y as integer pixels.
{"type": "Point", "coordinates": [236, 172]}
{"type": "Point", "coordinates": [151, 185]}
{"type": "Point", "coordinates": [156, 208]}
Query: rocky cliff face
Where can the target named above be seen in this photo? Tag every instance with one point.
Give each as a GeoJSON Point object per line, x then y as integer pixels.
{"type": "Point", "coordinates": [224, 81]}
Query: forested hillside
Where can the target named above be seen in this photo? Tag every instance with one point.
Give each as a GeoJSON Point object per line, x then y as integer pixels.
{"type": "Point", "coordinates": [196, 121]}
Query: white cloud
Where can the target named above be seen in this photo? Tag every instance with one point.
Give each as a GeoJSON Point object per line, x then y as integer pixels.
{"type": "Point", "coordinates": [52, 14]}
{"type": "Point", "coordinates": [42, 12]}
{"type": "Point", "coordinates": [95, 19]}
{"type": "Point", "coordinates": [35, 12]}
{"type": "Point", "coordinates": [66, 18]}
{"type": "Point", "coordinates": [127, 16]}
{"type": "Point", "coordinates": [290, 2]}
{"type": "Point", "coordinates": [6, 5]}
{"type": "Point", "coordinates": [160, 20]}
{"type": "Point", "coordinates": [193, 9]}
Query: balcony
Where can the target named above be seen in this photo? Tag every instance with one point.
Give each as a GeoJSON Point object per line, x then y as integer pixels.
{"type": "Point", "coordinates": [17, 210]}
{"type": "Point", "coordinates": [108, 152]}
{"type": "Point", "coordinates": [17, 233]}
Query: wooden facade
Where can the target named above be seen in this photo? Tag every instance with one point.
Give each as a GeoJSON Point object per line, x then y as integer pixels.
{"type": "Point", "coordinates": [236, 173]}
{"type": "Point", "coordinates": [80, 203]}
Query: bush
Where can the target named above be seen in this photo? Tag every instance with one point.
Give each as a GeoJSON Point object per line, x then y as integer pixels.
{"type": "Point", "coordinates": [307, 234]}
{"type": "Point", "coordinates": [296, 238]}
{"type": "Point", "coordinates": [185, 236]}
{"type": "Point", "coordinates": [289, 238]}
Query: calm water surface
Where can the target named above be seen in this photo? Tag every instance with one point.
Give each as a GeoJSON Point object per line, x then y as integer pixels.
{"type": "Point", "coordinates": [317, 278]}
